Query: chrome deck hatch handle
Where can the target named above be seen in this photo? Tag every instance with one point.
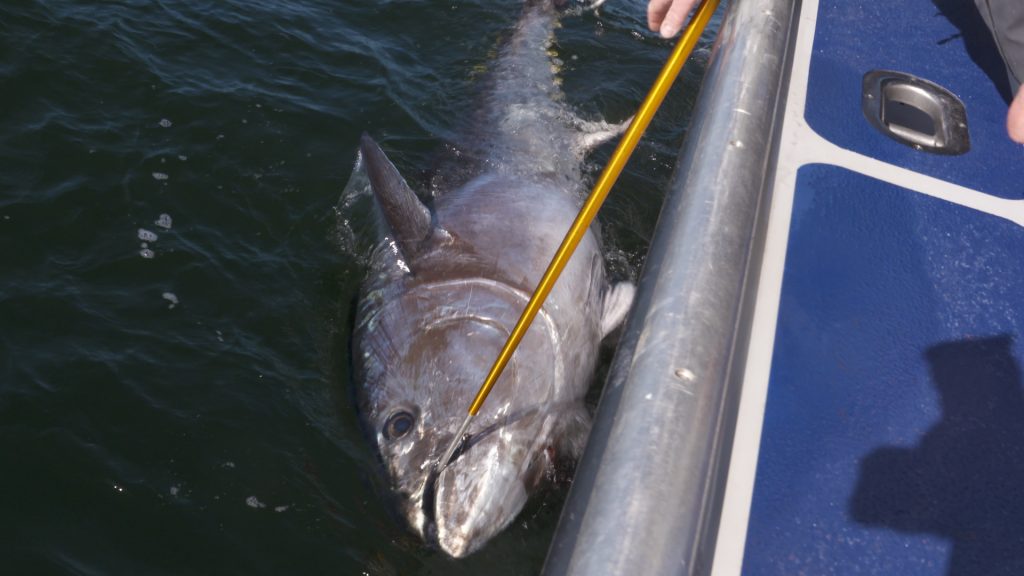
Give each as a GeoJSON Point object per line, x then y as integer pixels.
{"type": "Point", "coordinates": [915, 112]}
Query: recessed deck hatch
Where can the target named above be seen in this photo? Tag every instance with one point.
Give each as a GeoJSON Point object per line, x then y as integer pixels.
{"type": "Point", "coordinates": [915, 112]}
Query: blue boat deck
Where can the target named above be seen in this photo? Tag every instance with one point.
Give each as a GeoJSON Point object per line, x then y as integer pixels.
{"type": "Point", "coordinates": [893, 422]}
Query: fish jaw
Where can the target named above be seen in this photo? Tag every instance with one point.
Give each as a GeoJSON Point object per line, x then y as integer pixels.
{"type": "Point", "coordinates": [482, 491]}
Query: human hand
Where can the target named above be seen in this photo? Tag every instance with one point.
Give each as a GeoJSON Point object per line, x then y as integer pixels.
{"type": "Point", "coordinates": [667, 16]}
{"type": "Point", "coordinates": [1015, 118]}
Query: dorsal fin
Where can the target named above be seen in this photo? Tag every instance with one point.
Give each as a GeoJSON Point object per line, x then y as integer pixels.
{"type": "Point", "coordinates": [406, 216]}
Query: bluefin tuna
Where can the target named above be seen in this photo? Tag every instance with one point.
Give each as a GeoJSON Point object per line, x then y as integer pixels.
{"type": "Point", "coordinates": [446, 285]}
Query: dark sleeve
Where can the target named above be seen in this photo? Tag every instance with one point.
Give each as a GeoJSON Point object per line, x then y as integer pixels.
{"type": "Point", "coordinates": [1005, 18]}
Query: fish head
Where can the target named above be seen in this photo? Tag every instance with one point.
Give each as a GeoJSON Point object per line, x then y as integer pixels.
{"type": "Point", "coordinates": [419, 369]}
{"type": "Point", "coordinates": [486, 485]}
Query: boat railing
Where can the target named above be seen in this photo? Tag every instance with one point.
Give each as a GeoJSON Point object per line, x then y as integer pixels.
{"type": "Point", "coordinates": [648, 490]}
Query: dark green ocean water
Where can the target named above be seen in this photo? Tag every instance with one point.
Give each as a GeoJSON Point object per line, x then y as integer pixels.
{"type": "Point", "coordinates": [177, 278]}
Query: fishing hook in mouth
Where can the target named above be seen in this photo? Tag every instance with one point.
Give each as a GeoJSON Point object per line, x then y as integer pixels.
{"type": "Point", "coordinates": [429, 501]}
{"type": "Point", "coordinates": [460, 447]}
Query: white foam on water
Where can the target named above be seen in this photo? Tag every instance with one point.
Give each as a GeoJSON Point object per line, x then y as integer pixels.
{"type": "Point", "coordinates": [147, 236]}
{"type": "Point", "coordinates": [165, 123]}
{"type": "Point", "coordinates": [160, 176]}
{"type": "Point", "coordinates": [254, 502]}
{"type": "Point", "coordinates": [146, 253]}
{"type": "Point", "coordinates": [172, 298]}
{"type": "Point", "coordinates": [164, 221]}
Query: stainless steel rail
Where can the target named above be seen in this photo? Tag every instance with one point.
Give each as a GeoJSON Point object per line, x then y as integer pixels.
{"type": "Point", "coordinates": [648, 490]}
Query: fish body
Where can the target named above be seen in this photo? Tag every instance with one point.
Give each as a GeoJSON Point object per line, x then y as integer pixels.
{"type": "Point", "coordinates": [447, 284]}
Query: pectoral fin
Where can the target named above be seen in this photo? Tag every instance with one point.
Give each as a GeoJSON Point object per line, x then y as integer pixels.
{"type": "Point", "coordinates": [617, 302]}
{"type": "Point", "coordinates": [407, 218]}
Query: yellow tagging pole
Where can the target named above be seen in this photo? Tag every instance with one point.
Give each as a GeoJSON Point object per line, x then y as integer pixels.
{"type": "Point", "coordinates": [589, 210]}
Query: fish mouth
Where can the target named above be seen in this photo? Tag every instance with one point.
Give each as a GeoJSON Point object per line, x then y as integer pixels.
{"type": "Point", "coordinates": [429, 505]}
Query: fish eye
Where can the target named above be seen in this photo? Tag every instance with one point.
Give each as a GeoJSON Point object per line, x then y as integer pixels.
{"type": "Point", "coordinates": [399, 424]}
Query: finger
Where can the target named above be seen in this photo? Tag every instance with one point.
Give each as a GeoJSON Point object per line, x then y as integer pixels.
{"type": "Point", "coordinates": [1015, 118]}
{"type": "Point", "coordinates": [656, 11]}
{"type": "Point", "coordinates": [676, 17]}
